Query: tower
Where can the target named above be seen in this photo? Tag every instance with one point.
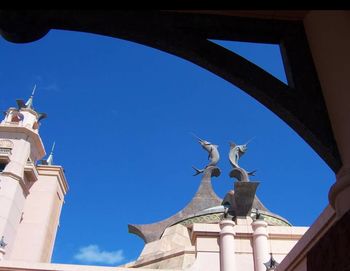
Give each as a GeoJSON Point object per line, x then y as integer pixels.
{"type": "Point", "coordinates": [31, 196]}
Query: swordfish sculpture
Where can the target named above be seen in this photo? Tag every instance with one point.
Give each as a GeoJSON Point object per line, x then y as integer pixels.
{"type": "Point", "coordinates": [213, 155]}
{"type": "Point", "coordinates": [236, 152]}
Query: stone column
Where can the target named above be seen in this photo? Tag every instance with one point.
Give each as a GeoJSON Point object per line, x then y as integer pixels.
{"type": "Point", "coordinates": [339, 194]}
{"type": "Point", "coordinates": [37, 231]}
{"type": "Point", "coordinates": [2, 248]}
{"type": "Point", "coordinates": [2, 253]}
{"type": "Point", "coordinates": [227, 245]}
{"type": "Point", "coordinates": [13, 192]}
{"type": "Point", "coordinates": [260, 244]}
{"type": "Point", "coordinates": [329, 39]}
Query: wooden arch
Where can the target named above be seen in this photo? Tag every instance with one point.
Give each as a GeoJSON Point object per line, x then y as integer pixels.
{"type": "Point", "coordinates": [187, 34]}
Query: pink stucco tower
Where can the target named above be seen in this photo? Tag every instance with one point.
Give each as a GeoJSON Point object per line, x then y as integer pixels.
{"type": "Point", "coordinates": [31, 195]}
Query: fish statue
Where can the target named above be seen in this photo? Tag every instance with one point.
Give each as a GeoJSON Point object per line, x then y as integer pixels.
{"type": "Point", "coordinates": [236, 152]}
{"type": "Point", "coordinates": [213, 154]}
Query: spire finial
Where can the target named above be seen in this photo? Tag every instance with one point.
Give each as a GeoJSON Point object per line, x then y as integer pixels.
{"type": "Point", "coordinates": [53, 147]}
{"type": "Point", "coordinates": [50, 158]}
{"type": "Point", "coordinates": [33, 92]}
{"type": "Point", "coordinates": [29, 103]}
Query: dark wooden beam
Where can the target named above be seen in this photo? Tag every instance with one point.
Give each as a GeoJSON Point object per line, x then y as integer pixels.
{"type": "Point", "coordinates": [300, 104]}
{"type": "Point", "coordinates": [309, 106]}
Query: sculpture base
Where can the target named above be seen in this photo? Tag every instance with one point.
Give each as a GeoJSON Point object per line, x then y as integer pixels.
{"type": "Point", "coordinates": [240, 174]}
{"type": "Point", "coordinates": [240, 201]}
{"type": "Point", "coordinates": [214, 171]}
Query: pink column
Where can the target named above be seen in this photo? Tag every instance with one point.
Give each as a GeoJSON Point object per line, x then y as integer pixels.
{"type": "Point", "coordinates": [339, 194]}
{"type": "Point", "coordinates": [329, 39]}
{"type": "Point", "coordinates": [227, 246]}
{"type": "Point", "coordinates": [260, 244]}
{"type": "Point", "coordinates": [2, 253]}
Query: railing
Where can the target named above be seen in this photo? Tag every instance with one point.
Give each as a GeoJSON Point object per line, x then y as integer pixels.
{"type": "Point", "coordinates": [5, 151]}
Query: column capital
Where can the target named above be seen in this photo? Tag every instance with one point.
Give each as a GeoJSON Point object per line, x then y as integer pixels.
{"type": "Point", "coordinates": [227, 222]}
{"type": "Point", "coordinates": [259, 223]}
{"type": "Point", "coordinates": [227, 227]}
{"type": "Point", "coordinates": [259, 227]}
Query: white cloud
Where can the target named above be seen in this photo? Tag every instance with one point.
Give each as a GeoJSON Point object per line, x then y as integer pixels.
{"type": "Point", "coordinates": [93, 254]}
{"type": "Point", "coordinates": [38, 78]}
{"type": "Point", "coordinates": [51, 87]}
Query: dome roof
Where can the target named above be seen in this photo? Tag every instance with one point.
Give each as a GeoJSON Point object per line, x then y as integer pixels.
{"type": "Point", "coordinates": [205, 207]}
{"type": "Point", "coordinates": [215, 215]}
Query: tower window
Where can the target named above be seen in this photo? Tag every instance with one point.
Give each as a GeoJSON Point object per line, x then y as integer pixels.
{"type": "Point", "coordinates": [2, 166]}
{"type": "Point", "coordinates": [35, 125]}
{"type": "Point", "coordinates": [17, 117]}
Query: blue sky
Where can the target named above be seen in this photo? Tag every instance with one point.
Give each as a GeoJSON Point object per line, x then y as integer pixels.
{"type": "Point", "coordinates": [121, 115]}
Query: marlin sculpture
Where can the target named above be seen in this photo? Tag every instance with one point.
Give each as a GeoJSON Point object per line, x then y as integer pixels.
{"type": "Point", "coordinates": [213, 154]}
{"type": "Point", "coordinates": [236, 152]}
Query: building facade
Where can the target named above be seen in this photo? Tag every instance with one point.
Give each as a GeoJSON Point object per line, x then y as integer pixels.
{"type": "Point", "coordinates": [209, 234]}
{"type": "Point", "coordinates": [31, 193]}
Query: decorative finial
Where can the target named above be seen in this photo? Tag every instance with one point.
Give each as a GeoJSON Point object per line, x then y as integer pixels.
{"type": "Point", "coordinates": [258, 215]}
{"type": "Point", "coordinates": [236, 152]}
{"type": "Point", "coordinates": [29, 103]}
{"type": "Point", "coordinates": [271, 264]}
{"type": "Point", "coordinates": [50, 158]}
{"type": "Point", "coordinates": [33, 92]}
{"type": "Point", "coordinates": [226, 209]}
{"type": "Point", "coordinates": [2, 243]}
{"type": "Point", "coordinates": [213, 156]}
{"type": "Point", "coordinates": [53, 146]}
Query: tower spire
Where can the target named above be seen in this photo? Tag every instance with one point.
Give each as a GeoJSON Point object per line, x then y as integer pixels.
{"type": "Point", "coordinates": [34, 88]}
{"type": "Point", "coordinates": [29, 103]}
{"type": "Point", "coordinates": [50, 158]}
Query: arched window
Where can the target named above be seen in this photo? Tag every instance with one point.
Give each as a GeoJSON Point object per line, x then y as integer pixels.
{"type": "Point", "coordinates": [35, 125]}
{"type": "Point", "coordinates": [2, 165]}
{"type": "Point", "coordinates": [16, 117]}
